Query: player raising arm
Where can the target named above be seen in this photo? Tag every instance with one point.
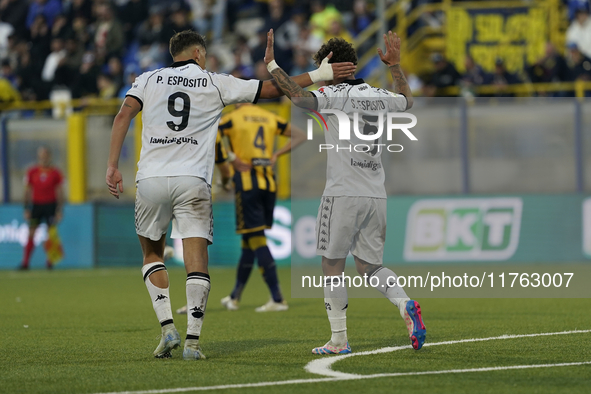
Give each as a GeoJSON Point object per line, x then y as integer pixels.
{"type": "Point", "coordinates": [290, 87]}
{"type": "Point", "coordinates": [352, 214]}
{"type": "Point", "coordinates": [182, 106]}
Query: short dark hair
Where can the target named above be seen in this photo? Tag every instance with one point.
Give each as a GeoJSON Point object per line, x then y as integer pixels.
{"type": "Point", "coordinates": [342, 51]}
{"type": "Point", "coordinates": [185, 39]}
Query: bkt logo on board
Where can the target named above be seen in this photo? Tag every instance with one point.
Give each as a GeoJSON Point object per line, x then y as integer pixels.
{"type": "Point", "coordinates": [463, 229]}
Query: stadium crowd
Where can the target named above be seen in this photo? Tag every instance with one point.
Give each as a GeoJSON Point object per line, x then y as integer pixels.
{"type": "Point", "coordinates": [96, 48]}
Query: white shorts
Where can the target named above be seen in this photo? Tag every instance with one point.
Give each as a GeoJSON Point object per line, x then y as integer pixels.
{"type": "Point", "coordinates": [184, 199]}
{"type": "Point", "coordinates": [351, 224]}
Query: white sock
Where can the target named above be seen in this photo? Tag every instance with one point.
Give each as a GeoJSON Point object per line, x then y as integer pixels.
{"type": "Point", "coordinates": [160, 297]}
{"type": "Point", "coordinates": [198, 286]}
{"type": "Point", "coordinates": [336, 302]}
{"type": "Point", "coordinates": [395, 294]}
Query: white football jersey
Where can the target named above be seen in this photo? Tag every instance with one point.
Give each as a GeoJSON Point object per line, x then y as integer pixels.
{"type": "Point", "coordinates": [181, 109]}
{"type": "Point", "coordinates": [351, 172]}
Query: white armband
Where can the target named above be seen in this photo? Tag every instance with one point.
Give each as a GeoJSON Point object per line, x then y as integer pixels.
{"type": "Point", "coordinates": [272, 66]}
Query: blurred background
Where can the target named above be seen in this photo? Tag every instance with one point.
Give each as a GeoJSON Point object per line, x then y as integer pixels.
{"type": "Point", "coordinates": [515, 121]}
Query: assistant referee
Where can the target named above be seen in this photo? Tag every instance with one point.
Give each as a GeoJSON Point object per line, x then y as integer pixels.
{"type": "Point", "coordinates": [43, 199]}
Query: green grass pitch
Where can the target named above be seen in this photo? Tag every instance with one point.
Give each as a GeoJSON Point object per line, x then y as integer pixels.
{"type": "Point", "coordinates": [94, 331]}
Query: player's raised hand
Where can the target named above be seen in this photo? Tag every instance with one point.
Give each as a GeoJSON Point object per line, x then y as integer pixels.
{"type": "Point", "coordinates": [270, 52]}
{"type": "Point", "coordinates": [114, 181]}
{"type": "Point", "coordinates": [392, 55]}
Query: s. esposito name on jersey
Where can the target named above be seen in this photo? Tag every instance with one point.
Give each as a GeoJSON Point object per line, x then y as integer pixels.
{"type": "Point", "coordinates": [173, 140]}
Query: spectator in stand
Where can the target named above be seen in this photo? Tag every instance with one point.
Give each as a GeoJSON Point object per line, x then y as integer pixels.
{"type": "Point", "coordinates": [322, 16]}
{"type": "Point", "coordinates": [14, 12]}
{"type": "Point", "coordinates": [50, 9]}
{"type": "Point", "coordinates": [130, 80]}
{"type": "Point", "coordinates": [579, 32]}
{"type": "Point", "coordinates": [8, 92]}
{"type": "Point", "coordinates": [8, 73]}
{"type": "Point", "coordinates": [580, 65]}
{"type": "Point", "coordinates": [287, 35]}
{"type": "Point", "coordinates": [28, 78]}
{"type": "Point", "coordinates": [362, 18]}
{"type": "Point", "coordinates": [114, 70]}
{"type": "Point", "coordinates": [258, 51]}
{"type": "Point", "coordinates": [132, 14]}
{"type": "Point", "coordinates": [150, 37]}
{"type": "Point", "coordinates": [79, 9]}
{"type": "Point", "coordinates": [89, 72]}
{"type": "Point", "coordinates": [40, 40]}
{"type": "Point", "coordinates": [473, 76]}
{"type": "Point", "coordinates": [178, 20]}
{"type": "Point", "coordinates": [242, 54]}
{"type": "Point", "coordinates": [108, 38]}
{"type": "Point", "coordinates": [58, 53]}
{"type": "Point", "coordinates": [337, 30]}
{"type": "Point", "coordinates": [61, 28]}
{"type": "Point", "coordinates": [106, 87]}
{"type": "Point", "coordinates": [81, 31]}
{"type": "Point", "coordinates": [445, 76]}
{"type": "Point", "coordinates": [551, 67]}
{"type": "Point", "coordinates": [308, 42]}
{"type": "Point", "coordinates": [209, 17]}
{"type": "Point", "coordinates": [242, 70]}
{"type": "Point", "coordinates": [278, 17]}
{"type": "Point", "coordinates": [6, 30]}
{"type": "Point", "coordinates": [301, 64]}
{"type": "Point", "coordinates": [67, 73]}
{"type": "Point", "coordinates": [213, 64]}
{"type": "Point", "coordinates": [503, 78]}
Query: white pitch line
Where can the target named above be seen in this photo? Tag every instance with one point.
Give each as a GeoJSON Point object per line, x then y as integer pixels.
{"type": "Point", "coordinates": [322, 366]}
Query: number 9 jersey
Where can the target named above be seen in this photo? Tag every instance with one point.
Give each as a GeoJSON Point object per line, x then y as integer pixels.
{"type": "Point", "coordinates": [181, 108]}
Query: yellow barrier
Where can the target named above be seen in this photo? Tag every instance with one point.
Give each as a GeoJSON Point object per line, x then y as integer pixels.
{"type": "Point", "coordinates": [526, 89]}
{"type": "Point", "coordinates": [76, 158]}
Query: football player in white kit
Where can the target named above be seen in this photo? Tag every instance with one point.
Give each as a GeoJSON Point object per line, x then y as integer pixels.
{"type": "Point", "coordinates": [182, 107]}
{"type": "Point", "coordinates": [352, 214]}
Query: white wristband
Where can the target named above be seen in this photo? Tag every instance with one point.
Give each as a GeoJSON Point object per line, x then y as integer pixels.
{"type": "Point", "coordinates": [231, 156]}
{"type": "Point", "coordinates": [272, 65]}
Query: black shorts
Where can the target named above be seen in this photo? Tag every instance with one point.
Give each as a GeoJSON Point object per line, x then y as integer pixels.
{"type": "Point", "coordinates": [43, 213]}
{"type": "Point", "coordinates": [254, 210]}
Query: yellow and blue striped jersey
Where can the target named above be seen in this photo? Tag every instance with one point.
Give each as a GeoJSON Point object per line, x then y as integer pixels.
{"type": "Point", "coordinates": [251, 133]}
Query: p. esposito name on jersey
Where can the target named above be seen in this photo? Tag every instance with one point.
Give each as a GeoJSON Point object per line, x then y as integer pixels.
{"type": "Point", "coordinates": [177, 80]}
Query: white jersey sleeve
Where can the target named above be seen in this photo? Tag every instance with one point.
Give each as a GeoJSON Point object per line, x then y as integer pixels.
{"type": "Point", "coordinates": [398, 102]}
{"type": "Point", "coordinates": [233, 90]}
{"type": "Point", "coordinates": [137, 90]}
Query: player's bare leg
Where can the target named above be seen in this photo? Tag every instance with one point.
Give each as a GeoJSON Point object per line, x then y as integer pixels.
{"type": "Point", "coordinates": [29, 247]}
{"type": "Point", "coordinates": [156, 279]}
{"type": "Point", "coordinates": [336, 303]}
{"type": "Point", "coordinates": [410, 310]}
{"type": "Point", "coordinates": [198, 285]}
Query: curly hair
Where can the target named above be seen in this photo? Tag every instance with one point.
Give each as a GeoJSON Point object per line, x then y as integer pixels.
{"type": "Point", "coordinates": [342, 51]}
{"type": "Point", "coordinates": [183, 40]}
